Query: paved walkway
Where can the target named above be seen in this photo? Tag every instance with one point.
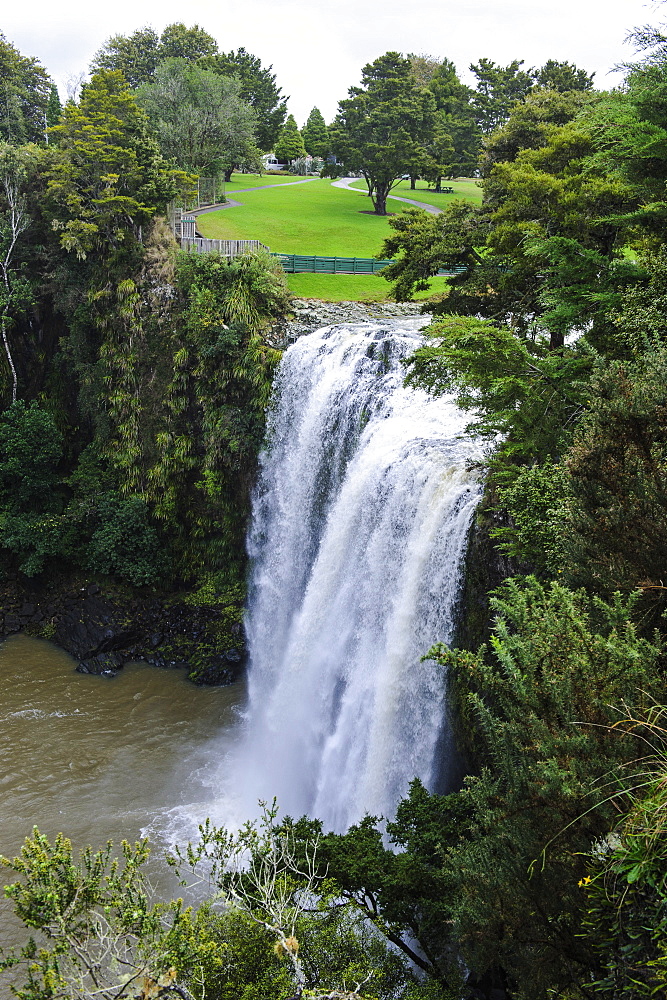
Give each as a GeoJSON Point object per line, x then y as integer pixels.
{"type": "Point", "coordinates": [347, 182]}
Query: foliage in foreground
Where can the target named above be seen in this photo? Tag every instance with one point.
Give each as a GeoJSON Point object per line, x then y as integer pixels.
{"type": "Point", "coordinates": [270, 927]}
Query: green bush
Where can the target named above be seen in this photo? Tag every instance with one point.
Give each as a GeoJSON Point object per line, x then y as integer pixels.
{"type": "Point", "coordinates": [126, 544]}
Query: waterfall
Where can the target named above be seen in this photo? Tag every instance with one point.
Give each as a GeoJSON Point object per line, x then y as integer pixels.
{"type": "Point", "coordinates": [359, 526]}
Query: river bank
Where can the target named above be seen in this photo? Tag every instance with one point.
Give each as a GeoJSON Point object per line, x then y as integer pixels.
{"type": "Point", "coordinates": [103, 626]}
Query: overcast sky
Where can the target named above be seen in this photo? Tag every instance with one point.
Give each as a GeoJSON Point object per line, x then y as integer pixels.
{"type": "Point", "coordinates": [317, 47]}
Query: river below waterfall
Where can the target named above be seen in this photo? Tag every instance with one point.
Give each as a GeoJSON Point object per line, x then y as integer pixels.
{"type": "Point", "coordinates": [103, 759]}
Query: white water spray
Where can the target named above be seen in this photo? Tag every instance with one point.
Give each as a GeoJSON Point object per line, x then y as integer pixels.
{"type": "Point", "coordinates": [360, 521]}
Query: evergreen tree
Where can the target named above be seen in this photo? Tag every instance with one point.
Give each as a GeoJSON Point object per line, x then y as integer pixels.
{"type": "Point", "coordinates": [290, 144]}
{"type": "Point", "coordinates": [562, 76]}
{"type": "Point", "coordinates": [179, 42]}
{"type": "Point", "coordinates": [498, 89]}
{"type": "Point", "coordinates": [138, 55]}
{"type": "Point", "coordinates": [383, 127]}
{"type": "Point", "coordinates": [316, 134]}
{"type": "Point", "coordinates": [111, 178]}
{"type": "Point", "coordinates": [25, 88]}
{"type": "Point", "coordinates": [453, 100]}
{"type": "Point", "coordinates": [258, 88]}
{"type": "Point", "coordinates": [54, 108]}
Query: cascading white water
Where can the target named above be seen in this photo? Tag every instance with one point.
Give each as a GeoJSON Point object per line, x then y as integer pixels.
{"type": "Point", "coordinates": [359, 527]}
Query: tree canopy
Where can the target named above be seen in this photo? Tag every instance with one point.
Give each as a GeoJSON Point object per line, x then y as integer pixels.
{"type": "Point", "coordinates": [199, 117]}
{"type": "Point", "coordinates": [258, 88]}
{"type": "Point", "coordinates": [25, 89]}
{"type": "Point", "coordinates": [290, 142]}
{"type": "Point", "coordinates": [382, 128]}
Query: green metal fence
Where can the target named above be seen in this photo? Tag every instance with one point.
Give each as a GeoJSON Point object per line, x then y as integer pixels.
{"type": "Point", "coordinates": [295, 263]}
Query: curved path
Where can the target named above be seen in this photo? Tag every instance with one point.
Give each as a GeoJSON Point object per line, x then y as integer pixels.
{"type": "Point", "coordinates": [260, 187]}
{"type": "Point", "coordinates": [347, 182]}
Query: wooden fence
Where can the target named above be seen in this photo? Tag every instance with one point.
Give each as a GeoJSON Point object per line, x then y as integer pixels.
{"type": "Point", "coordinates": [228, 248]}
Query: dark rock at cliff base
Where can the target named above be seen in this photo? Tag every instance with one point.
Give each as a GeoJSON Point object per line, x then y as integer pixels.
{"type": "Point", "coordinates": [104, 664]}
{"type": "Point", "coordinates": [102, 631]}
{"type": "Point", "coordinates": [222, 669]}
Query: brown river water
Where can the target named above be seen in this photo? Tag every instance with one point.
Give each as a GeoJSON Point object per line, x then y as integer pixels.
{"type": "Point", "coordinates": [100, 758]}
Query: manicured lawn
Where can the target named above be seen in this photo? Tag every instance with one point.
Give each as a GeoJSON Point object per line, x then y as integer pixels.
{"type": "Point", "coordinates": [313, 218]}
{"type": "Point", "coordinates": [462, 189]}
{"type": "Point", "coordinates": [254, 180]}
{"type": "Point", "coordinates": [316, 218]}
{"type": "Point", "coordinates": [349, 287]}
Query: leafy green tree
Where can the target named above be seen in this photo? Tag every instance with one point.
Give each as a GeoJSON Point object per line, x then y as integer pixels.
{"type": "Point", "coordinates": [179, 42]}
{"type": "Point", "coordinates": [126, 544]}
{"type": "Point", "coordinates": [138, 55]}
{"type": "Point", "coordinates": [261, 933]}
{"type": "Point", "coordinates": [316, 135]}
{"type": "Point", "coordinates": [429, 242]}
{"type": "Point", "coordinates": [135, 55]}
{"type": "Point", "coordinates": [290, 142]}
{"type": "Point", "coordinates": [381, 129]}
{"type": "Point", "coordinates": [498, 90]}
{"type": "Point", "coordinates": [531, 124]}
{"type": "Point", "coordinates": [25, 87]}
{"type": "Point", "coordinates": [201, 122]}
{"type": "Point", "coordinates": [551, 214]}
{"type": "Point", "coordinates": [99, 933]}
{"type": "Point", "coordinates": [31, 448]}
{"type": "Point", "coordinates": [513, 386]}
{"type": "Point", "coordinates": [457, 119]}
{"type": "Point", "coordinates": [111, 178]}
{"type": "Point", "coordinates": [562, 76]}
{"type": "Point", "coordinates": [53, 109]}
{"type": "Point", "coordinates": [258, 88]}
{"type": "Point", "coordinates": [630, 133]}
{"type": "Point", "coordinates": [616, 524]}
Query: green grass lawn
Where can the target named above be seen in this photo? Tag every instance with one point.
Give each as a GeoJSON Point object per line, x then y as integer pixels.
{"type": "Point", "coordinates": [350, 287]}
{"type": "Point", "coordinates": [462, 189]}
{"type": "Point", "coordinates": [240, 181]}
{"type": "Point", "coordinates": [313, 218]}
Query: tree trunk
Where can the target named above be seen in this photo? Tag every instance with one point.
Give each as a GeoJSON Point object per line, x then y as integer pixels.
{"type": "Point", "coordinates": [228, 174]}
{"type": "Point", "coordinates": [412, 182]}
{"type": "Point", "coordinates": [5, 341]}
{"type": "Point", "coordinates": [379, 197]}
{"type": "Point", "coordinates": [438, 185]}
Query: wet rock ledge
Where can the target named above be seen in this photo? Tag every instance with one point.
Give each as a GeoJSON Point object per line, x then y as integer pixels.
{"type": "Point", "coordinates": [103, 630]}
{"type": "Point", "coordinates": [312, 314]}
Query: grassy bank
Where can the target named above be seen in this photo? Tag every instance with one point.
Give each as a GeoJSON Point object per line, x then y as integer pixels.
{"type": "Point", "coordinates": [317, 218]}
{"type": "Point", "coordinates": [350, 287]}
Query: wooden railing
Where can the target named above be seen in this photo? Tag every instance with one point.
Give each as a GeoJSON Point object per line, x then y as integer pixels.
{"type": "Point", "coordinates": [228, 248]}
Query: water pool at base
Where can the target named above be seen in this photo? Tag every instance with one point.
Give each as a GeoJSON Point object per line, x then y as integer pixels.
{"type": "Point", "coordinates": [100, 758]}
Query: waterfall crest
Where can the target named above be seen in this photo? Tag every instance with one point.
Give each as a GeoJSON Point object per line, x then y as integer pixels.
{"type": "Point", "coordinates": [359, 527]}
